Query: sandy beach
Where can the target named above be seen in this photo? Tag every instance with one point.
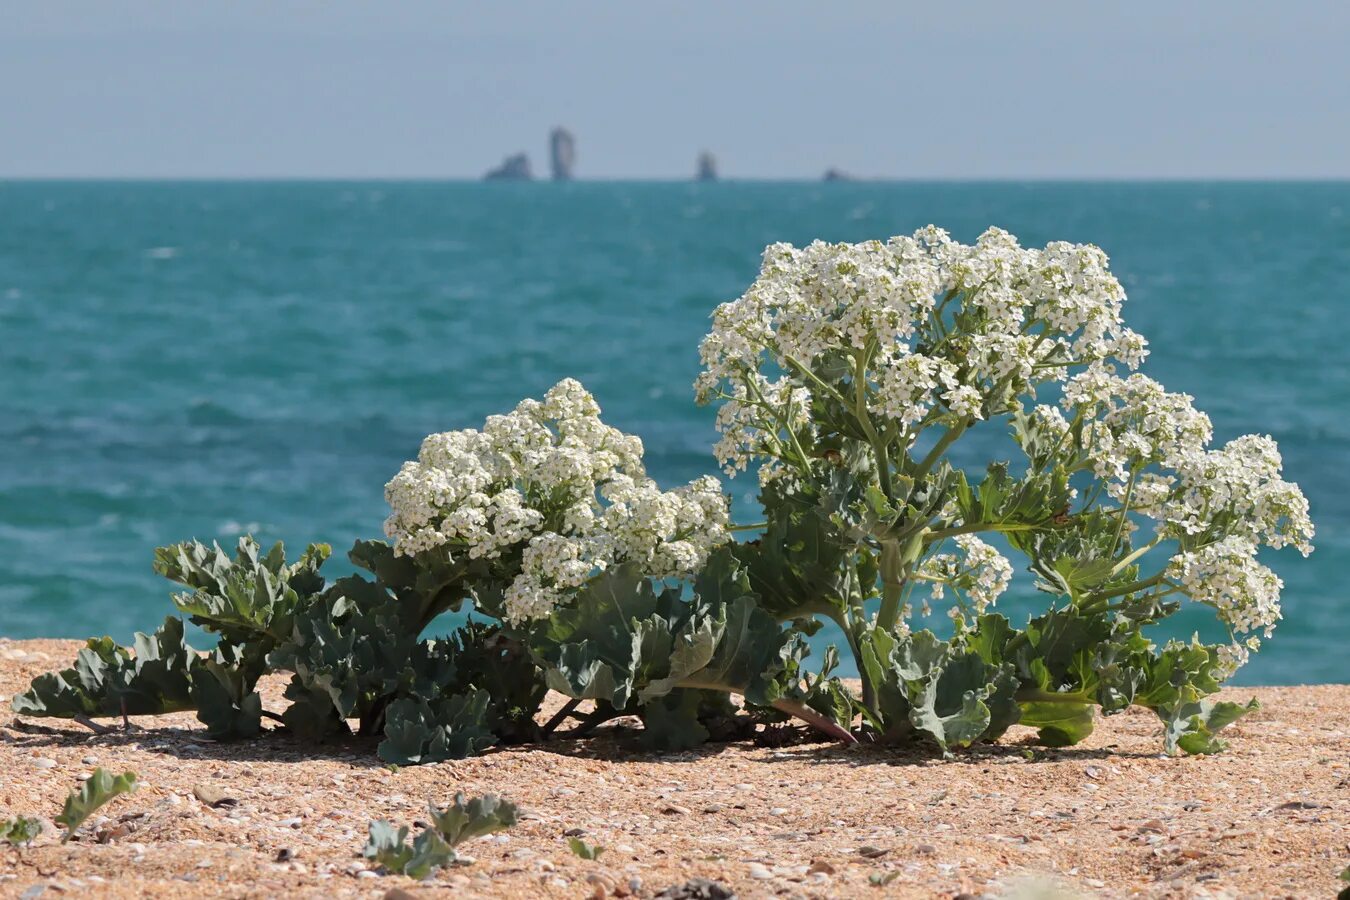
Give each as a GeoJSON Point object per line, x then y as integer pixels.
{"type": "Point", "coordinates": [1112, 817]}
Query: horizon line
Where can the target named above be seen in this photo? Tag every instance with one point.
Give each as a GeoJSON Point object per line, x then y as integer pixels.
{"type": "Point", "coordinates": [884, 179]}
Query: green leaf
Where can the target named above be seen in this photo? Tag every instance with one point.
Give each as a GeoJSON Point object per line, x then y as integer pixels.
{"type": "Point", "coordinates": [251, 597]}
{"type": "Point", "coordinates": [429, 853]}
{"type": "Point", "coordinates": [1194, 727]}
{"type": "Point", "coordinates": [1059, 724]}
{"type": "Point", "coordinates": [927, 687]}
{"type": "Point", "coordinates": [97, 790]}
{"type": "Point", "coordinates": [465, 819]}
{"type": "Point", "coordinates": [418, 730]}
{"type": "Point", "coordinates": [671, 722]}
{"type": "Point", "coordinates": [387, 845]}
{"type": "Point", "coordinates": [20, 830]}
{"type": "Point", "coordinates": [621, 641]}
{"type": "Point", "coordinates": [108, 680]}
{"type": "Point", "coordinates": [583, 849]}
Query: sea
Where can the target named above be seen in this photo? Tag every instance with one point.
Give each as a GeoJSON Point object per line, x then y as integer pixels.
{"type": "Point", "coordinates": [203, 359]}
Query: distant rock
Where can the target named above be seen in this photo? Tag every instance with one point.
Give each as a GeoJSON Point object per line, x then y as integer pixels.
{"type": "Point", "coordinates": [562, 152]}
{"type": "Point", "coordinates": [707, 167]}
{"type": "Point", "coordinates": [514, 168]}
{"type": "Point", "coordinates": [833, 174]}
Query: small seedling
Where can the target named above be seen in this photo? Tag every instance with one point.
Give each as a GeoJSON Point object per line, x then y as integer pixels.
{"type": "Point", "coordinates": [97, 790]}
{"type": "Point", "coordinates": [585, 850]}
{"type": "Point", "coordinates": [435, 847]}
{"type": "Point", "coordinates": [20, 830]}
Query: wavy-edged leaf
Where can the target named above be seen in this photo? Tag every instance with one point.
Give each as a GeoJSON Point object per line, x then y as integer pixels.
{"type": "Point", "coordinates": [418, 730]}
{"type": "Point", "coordinates": [465, 818]}
{"type": "Point", "coordinates": [108, 680]}
{"type": "Point", "coordinates": [98, 789]}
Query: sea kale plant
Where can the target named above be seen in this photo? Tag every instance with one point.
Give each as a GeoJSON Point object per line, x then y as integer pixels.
{"type": "Point", "coordinates": [859, 380]}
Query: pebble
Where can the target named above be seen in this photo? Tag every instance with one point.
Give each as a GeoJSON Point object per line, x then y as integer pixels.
{"type": "Point", "coordinates": [759, 872]}
{"type": "Point", "coordinates": [674, 809]}
{"type": "Point", "coordinates": [43, 762]}
{"type": "Point", "coordinates": [778, 811]}
{"type": "Point", "coordinates": [90, 760]}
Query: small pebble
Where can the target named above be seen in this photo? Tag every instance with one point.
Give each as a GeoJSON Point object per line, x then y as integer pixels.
{"type": "Point", "coordinates": [759, 872]}
{"type": "Point", "coordinates": [90, 761]}
{"type": "Point", "coordinates": [43, 762]}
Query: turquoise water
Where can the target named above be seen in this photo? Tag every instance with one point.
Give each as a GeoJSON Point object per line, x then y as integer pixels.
{"type": "Point", "coordinates": [196, 359]}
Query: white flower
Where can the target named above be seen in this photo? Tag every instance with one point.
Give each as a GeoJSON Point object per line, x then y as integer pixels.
{"type": "Point", "coordinates": [551, 482]}
{"type": "Point", "coordinates": [930, 321]}
{"type": "Point", "coordinates": [1238, 488]}
{"type": "Point", "coordinates": [1226, 576]}
{"type": "Point", "coordinates": [978, 569]}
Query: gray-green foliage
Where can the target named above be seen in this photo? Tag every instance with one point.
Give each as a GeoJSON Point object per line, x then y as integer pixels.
{"type": "Point", "coordinates": [20, 830]}
{"type": "Point", "coordinates": [99, 788]}
{"type": "Point", "coordinates": [583, 850]}
{"type": "Point", "coordinates": [353, 650]}
{"type": "Point", "coordinates": [434, 847]}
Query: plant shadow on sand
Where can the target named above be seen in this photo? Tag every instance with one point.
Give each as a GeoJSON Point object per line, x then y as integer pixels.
{"type": "Point", "coordinates": [615, 744]}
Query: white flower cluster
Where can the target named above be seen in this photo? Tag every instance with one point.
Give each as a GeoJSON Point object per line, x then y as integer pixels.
{"type": "Point", "coordinates": [939, 324]}
{"type": "Point", "coordinates": [750, 402]}
{"type": "Point", "coordinates": [1151, 448]}
{"type": "Point", "coordinates": [568, 492]}
{"type": "Point", "coordinates": [1226, 576]}
{"type": "Point", "coordinates": [1134, 428]}
{"type": "Point", "coordinates": [978, 569]}
{"type": "Point", "coordinates": [1133, 422]}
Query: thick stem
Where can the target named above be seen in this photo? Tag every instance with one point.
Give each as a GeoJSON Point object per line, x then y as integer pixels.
{"type": "Point", "coordinates": [869, 693]}
{"type": "Point", "coordinates": [791, 707]}
{"type": "Point", "coordinates": [892, 586]}
{"type": "Point", "coordinates": [815, 720]}
{"type": "Point", "coordinates": [91, 724]}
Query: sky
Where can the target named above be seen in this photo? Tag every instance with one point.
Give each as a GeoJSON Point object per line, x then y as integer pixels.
{"type": "Point", "coordinates": [413, 89]}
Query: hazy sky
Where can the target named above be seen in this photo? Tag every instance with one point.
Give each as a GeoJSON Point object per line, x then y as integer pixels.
{"type": "Point", "coordinates": [776, 89]}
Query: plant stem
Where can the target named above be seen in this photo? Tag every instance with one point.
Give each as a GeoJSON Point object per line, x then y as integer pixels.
{"type": "Point", "coordinates": [561, 716]}
{"type": "Point", "coordinates": [892, 586]}
{"type": "Point", "coordinates": [91, 724]}
{"type": "Point", "coordinates": [1124, 511]}
{"type": "Point", "coordinates": [865, 420]}
{"type": "Point", "coordinates": [1132, 587]}
{"type": "Point", "coordinates": [815, 720]}
{"type": "Point", "coordinates": [602, 714]}
{"type": "Point", "coordinates": [938, 449]}
{"type": "Point", "coordinates": [975, 527]}
{"type": "Point", "coordinates": [783, 704]}
{"type": "Point", "coordinates": [753, 526]}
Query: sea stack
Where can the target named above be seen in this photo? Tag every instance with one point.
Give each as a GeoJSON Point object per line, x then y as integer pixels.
{"type": "Point", "coordinates": [562, 150]}
{"type": "Point", "coordinates": [707, 167]}
{"type": "Point", "coordinates": [514, 168]}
